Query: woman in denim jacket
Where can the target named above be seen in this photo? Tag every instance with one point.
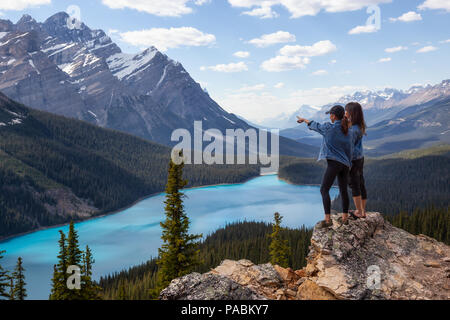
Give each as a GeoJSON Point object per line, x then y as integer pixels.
{"type": "Point", "coordinates": [336, 149]}
{"type": "Point", "coordinates": [354, 112]}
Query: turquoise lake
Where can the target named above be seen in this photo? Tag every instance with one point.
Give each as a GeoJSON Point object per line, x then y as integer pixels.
{"type": "Point", "coordinates": [132, 236]}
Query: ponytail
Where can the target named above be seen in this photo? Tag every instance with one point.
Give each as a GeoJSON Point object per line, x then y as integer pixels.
{"type": "Point", "coordinates": [345, 125]}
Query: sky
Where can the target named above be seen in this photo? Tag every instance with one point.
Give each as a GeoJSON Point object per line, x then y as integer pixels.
{"type": "Point", "coordinates": [261, 59]}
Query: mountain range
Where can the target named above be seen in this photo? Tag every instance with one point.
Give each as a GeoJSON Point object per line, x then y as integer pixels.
{"type": "Point", "coordinates": [396, 119]}
{"type": "Point", "coordinates": [81, 73]}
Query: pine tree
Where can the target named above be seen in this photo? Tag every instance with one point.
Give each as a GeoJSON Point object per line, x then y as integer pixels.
{"type": "Point", "coordinates": [4, 279]}
{"type": "Point", "coordinates": [74, 258]}
{"type": "Point", "coordinates": [89, 289]}
{"type": "Point", "coordinates": [74, 254]}
{"type": "Point", "coordinates": [11, 288]}
{"type": "Point", "coordinates": [71, 255]}
{"type": "Point", "coordinates": [279, 248]}
{"type": "Point", "coordinates": [179, 253]}
{"type": "Point", "coordinates": [19, 291]}
{"type": "Point", "coordinates": [59, 289]}
{"type": "Point", "coordinates": [122, 294]}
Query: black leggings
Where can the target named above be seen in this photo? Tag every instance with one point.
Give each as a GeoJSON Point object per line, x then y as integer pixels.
{"type": "Point", "coordinates": [340, 170]}
{"type": "Point", "coordinates": [357, 179]}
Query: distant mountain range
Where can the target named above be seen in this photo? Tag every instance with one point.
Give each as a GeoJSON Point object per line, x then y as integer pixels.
{"type": "Point", "coordinates": [397, 120]}
{"type": "Point", "coordinates": [81, 73]}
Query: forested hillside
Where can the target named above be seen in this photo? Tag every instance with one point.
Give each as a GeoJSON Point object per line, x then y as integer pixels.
{"type": "Point", "coordinates": [400, 182]}
{"type": "Point", "coordinates": [242, 240]}
{"type": "Point", "coordinates": [54, 169]}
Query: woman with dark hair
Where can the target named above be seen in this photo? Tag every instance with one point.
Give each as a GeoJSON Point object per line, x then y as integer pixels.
{"type": "Point", "coordinates": [354, 113]}
{"type": "Point", "coordinates": [337, 151]}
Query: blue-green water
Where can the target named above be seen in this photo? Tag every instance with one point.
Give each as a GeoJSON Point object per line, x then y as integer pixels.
{"type": "Point", "coordinates": [132, 236]}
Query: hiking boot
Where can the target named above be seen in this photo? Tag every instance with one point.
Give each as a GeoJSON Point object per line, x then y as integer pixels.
{"type": "Point", "coordinates": [325, 224]}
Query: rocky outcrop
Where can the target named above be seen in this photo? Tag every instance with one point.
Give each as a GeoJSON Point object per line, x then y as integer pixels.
{"type": "Point", "coordinates": [366, 259]}
{"type": "Point", "coordinates": [208, 286]}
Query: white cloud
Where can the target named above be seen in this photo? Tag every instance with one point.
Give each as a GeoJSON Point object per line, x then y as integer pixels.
{"type": "Point", "coordinates": [273, 38]}
{"type": "Point", "coordinates": [297, 57]}
{"type": "Point", "coordinates": [426, 49]}
{"type": "Point", "coordinates": [261, 105]}
{"type": "Point", "coordinates": [19, 5]}
{"type": "Point", "coordinates": [164, 39]}
{"type": "Point", "coordinates": [264, 12]}
{"type": "Point", "coordinates": [285, 63]}
{"type": "Point", "coordinates": [445, 41]}
{"type": "Point", "coordinates": [333, 61]}
{"type": "Point", "coordinates": [317, 49]}
{"type": "Point", "coordinates": [256, 87]}
{"type": "Point", "coordinates": [279, 85]}
{"type": "Point", "coordinates": [395, 49]}
{"type": "Point", "coordinates": [435, 4]}
{"type": "Point", "coordinates": [172, 8]}
{"type": "Point", "coordinates": [228, 68]}
{"type": "Point", "coordinates": [384, 60]}
{"type": "Point", "coordinates": [363, 29]}
{"type": "Point", "coordinates": [320, 73]}
{"type": "Point", "coordinates": [242, 54]}
{"type": "Point", "coordinates": [300, 8]}
{"type": "Point", "coordinates": [408, 17]}
{"type": "Point", "coordinates": [202, 2]}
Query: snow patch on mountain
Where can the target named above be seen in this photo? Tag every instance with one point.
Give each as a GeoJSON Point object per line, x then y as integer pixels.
{"type": "Point", "coordinates": [33, 66]}
{"type": "Point", "coordinates": [124, 65]}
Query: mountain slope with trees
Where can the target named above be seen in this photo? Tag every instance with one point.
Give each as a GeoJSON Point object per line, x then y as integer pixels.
{"type": "Point", "coordinates": [56, 169]}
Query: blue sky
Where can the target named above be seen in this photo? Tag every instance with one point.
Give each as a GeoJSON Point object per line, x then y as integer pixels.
{"type": "Point", "coordinates": [299, 51]}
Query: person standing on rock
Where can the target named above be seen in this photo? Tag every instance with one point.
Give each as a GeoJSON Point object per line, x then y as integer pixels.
{"type": "Point", "coordinates": [354, 113]}
{"type": "Point", "coordinates": [337, 150]}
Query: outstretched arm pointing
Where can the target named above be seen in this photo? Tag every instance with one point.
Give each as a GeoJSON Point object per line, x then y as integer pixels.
{"type": "Point", "coordinates": [301, 120]}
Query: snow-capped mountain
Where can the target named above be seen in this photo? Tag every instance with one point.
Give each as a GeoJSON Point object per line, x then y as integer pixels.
{"type": "Point", "coordinates": [81, 73]}
{"type": "Point", "coordinates": [405, 114]}
{"type": "Point", "coordinates": [383, 104]}
{"type": "Point", "coordinates": [286, 120]}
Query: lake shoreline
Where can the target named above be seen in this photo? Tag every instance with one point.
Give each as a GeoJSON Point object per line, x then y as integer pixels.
{"type": "Point", "coordinates": [6, 239]}
{"type": "Point", "coordinates": [303, 184]}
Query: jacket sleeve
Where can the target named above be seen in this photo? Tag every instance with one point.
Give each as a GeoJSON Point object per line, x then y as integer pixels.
{"type": "Point", "coordinates": [321, 128]}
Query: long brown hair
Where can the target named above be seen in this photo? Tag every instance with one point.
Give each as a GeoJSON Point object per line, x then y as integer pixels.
{"type": "Point", "coordinates": [356, 113]}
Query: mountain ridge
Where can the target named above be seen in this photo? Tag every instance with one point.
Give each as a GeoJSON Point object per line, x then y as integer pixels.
{"type": "Point", "coordinates": [81, 73]}
{"type": "Point", "coordinates": [418, 119]}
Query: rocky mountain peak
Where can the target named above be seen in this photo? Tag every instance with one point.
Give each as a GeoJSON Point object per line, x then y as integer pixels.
{"type": "Point", "coordinates": [26, 20]}
{"type": "Point", "coordinates": [6, 25]}
{"type": "Point", "coordinates": [78, 72]}
{"type": "Point", "coordinates": [59, 18]}
{"type": "Point", "coordinates": [367, 259]}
